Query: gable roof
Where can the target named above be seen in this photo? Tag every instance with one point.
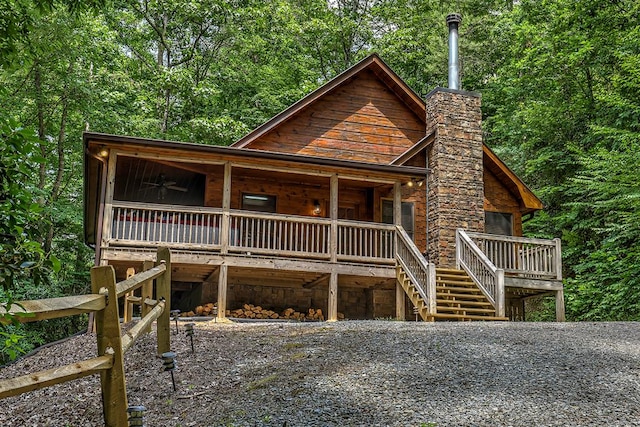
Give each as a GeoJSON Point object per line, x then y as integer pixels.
{"type": "Point", "coordinates": [372, 63]}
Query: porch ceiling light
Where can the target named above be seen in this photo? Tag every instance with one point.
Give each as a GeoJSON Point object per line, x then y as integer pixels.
{"type": "Point", "coordinates": [103, 152]}
{"type": "Point", "coordinates": [415, 182]}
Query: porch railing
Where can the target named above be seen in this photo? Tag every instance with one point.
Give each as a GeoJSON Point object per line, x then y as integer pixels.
{"type": "Point", "coordinates": [145, 225]}
{"type": "Point", "coordinates": [488, 277]}
{"type": "Point", "coordinates": [520, 256]}
{"type": "Point", "coordinates": [284, 235]}
{"type": "Point", "coordinates": [141, 224]}
{"type": "Point", "coordinates": [361, 241]}
{"type": "Point", "coordinates": [417, 269]}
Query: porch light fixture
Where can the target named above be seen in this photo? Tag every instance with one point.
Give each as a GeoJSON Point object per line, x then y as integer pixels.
{"type": "Point", "coordinates": [415, 182]}
{"type": "Point", "coordinates": [316, 207]}
{"type": "Point", "coordinates": [103, 152]}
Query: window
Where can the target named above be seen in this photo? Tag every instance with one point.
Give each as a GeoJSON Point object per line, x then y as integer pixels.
{"type": "Point", "coordinates": [259, 202]}
{"type": "Point", "coordinates": [407, 215]}
{"type": "Point", "coordinates": [498, 223]}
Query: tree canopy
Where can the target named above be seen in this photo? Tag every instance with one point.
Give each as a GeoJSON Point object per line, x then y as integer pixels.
{"type": "Point", "coordinates": [560, 82]}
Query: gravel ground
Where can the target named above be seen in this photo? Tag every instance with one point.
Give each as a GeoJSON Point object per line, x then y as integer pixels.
{"type": "Point", "coordinates": [360, 373]}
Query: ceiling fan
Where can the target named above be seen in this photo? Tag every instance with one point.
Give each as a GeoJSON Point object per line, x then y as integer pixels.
{"type": "Point", "coordinates": [163, 186]}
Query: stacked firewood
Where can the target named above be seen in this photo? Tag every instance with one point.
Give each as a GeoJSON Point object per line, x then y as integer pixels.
{"type": "Point", "coordinates": [208, 309]}
{"type": "Point", "coordinates": [250, 311]}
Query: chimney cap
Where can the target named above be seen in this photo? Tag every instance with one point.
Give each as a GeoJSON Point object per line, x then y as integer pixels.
{"type": "Point", "coordinates": [454, 18]}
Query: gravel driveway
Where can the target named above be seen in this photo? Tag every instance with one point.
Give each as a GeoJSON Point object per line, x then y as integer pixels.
{"type": "Point", "coordinates": [361, 373]}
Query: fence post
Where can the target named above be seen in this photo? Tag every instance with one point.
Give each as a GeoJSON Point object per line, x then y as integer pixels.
{"type": "Point", "coordinates": [114, 390]}
{"type": "Point", "coordinates": [163, 291]}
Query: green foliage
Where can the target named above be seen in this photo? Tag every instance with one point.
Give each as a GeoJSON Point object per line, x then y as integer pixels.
{"type": "Point", "coordinates": [561, 103]}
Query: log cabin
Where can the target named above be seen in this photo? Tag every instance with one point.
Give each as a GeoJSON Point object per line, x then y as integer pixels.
{"type": "Point", "coordinates": [362, 199]}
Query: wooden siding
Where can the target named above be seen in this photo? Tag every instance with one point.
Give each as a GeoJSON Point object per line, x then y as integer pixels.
{"type": "Point", "coordinates": [498, 198]}
{"type": "Point", "coordinates": [361, 120]}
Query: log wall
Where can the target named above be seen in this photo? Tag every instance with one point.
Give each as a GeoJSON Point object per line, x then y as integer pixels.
{"type": "Point", "coordinates": [362, 120]}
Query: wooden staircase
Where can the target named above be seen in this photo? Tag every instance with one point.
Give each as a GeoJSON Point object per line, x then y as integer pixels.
{"type": "Point", "coordinates": [416, 299]}
{"type": "Point", "coordinates": [457, 297]}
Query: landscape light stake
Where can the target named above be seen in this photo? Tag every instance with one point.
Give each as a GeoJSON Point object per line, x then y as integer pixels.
{"type": "Point", "coordinates": [136, 415]}
{"type": "Point", "coordinates": [169, 364]}
{"type": "Point", "coordinates": [175, 314]}
{"type": "Point", "coordinates": [189, 328]}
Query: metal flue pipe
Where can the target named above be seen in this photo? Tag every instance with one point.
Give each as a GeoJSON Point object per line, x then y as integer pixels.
{"type": "Point", "coordinates": [453, 20]}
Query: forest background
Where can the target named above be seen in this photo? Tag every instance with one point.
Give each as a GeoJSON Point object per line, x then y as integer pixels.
{"type": "Point", "coordinates": [560, 84]}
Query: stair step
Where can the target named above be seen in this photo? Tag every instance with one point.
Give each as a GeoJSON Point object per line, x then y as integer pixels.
{"type": "Point", "coordinates": [452, 277]}
{"type": "Point", "coordinates": [467, 309]}
{"type": "Point", "coordinates": [459, 289]}
{"type": "Point", "coordinates": [450, 316]}
{"type": "Point", "coordinates": [480, 297]}
{"type": "Point", "coordinates": [450, 271]}
{"type": "Point", "coordinates": [457, 282]}
{"type": "Point", "coordinates": [464, 302]}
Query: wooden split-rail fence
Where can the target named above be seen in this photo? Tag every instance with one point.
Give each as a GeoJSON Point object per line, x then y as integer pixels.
{"type": "Point", "coordinates": [112, 344]}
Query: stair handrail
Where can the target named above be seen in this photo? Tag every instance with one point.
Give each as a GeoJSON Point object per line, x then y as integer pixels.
{"type": "Point", "coordinates": [488, 277]}
{"type": "Point", "coordinates": [416, 267]}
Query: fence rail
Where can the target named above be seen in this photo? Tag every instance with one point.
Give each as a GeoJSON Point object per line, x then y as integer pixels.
{"type": "Point", "coordinates": [103, 302]}
{"type": "Point", "coordinates": [485, 274]}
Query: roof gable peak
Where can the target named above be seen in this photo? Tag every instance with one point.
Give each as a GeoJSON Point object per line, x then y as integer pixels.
{"type": "Point", "coordinates": [373, 63]}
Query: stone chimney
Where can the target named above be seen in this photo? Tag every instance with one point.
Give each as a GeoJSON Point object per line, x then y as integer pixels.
{"type": "Point", "coordinates": [454, 159]}
{"type": "Point", "coordinates": [456, 187]}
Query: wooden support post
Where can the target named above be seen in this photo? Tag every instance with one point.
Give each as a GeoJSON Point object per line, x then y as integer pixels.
{"type": "Point", "coordinates": [500, 293]}
{"type": "Point", "coordinates": [128, 306]}
{"type": "Point", "coordinates": [163, 292]}
{"type": "Point", "coordinates": [431, 291]}
{"type": "Point", "coordinates": [397, 203]}
{"type": "Point", "coordinates": [114, 390]}
{"type": "Point", "coordinates": [333, 205]}
{"type": "Point", "coordinates": [400, 305]}
{"type": "Point", "coordinates": [558, 257]}
{"type": "Point", "coordinates": [332, 314]}
{"type": "Point", "coordinates": [226, 206]}
{"type": "Point", "coordinates": [560, 316]}
{"type": "Point", "coordinates": [108, 203]}
{"type": "Point", "coordinates": [147, 292]}
{"type": "Point", "coordinates": [222, 291]}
